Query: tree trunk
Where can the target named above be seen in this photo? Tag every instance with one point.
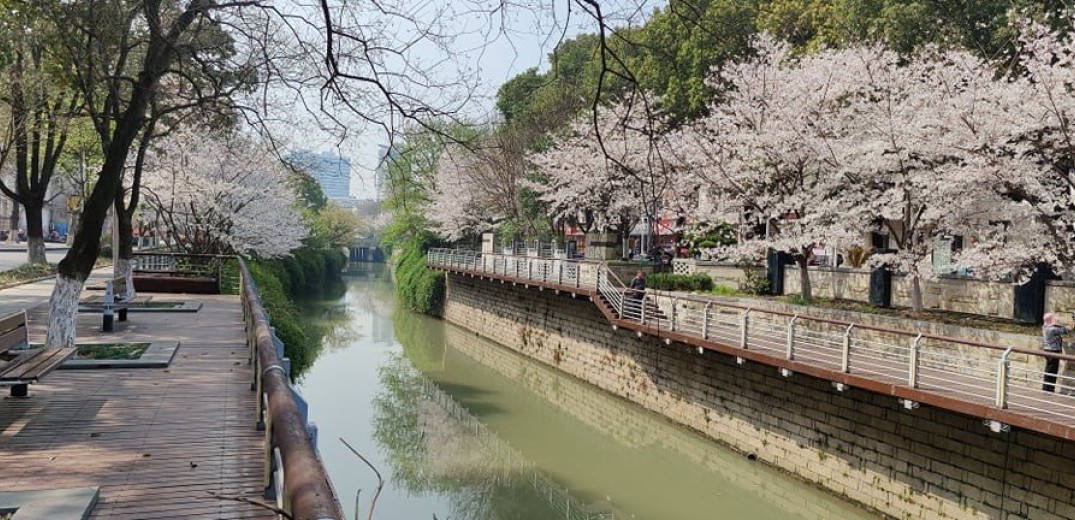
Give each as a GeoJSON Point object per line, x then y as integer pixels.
{"type": "Point", "coordinates": [806, 291]}
{"type": "Point", "coordinates": [13, 235]}
{"type": "Point", "coordinates": [35, 247]}
{"type": "Point", "coordinates": [916, 293]}
{"type": "Point", "coordinates": [78, 263]}
{"type": "Point", "coordinates": [63, 312]}
{"type": "Point", "coordinates": [35, 235]}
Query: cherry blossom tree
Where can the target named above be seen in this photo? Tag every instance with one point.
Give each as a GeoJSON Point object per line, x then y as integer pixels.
{"type": "Point", "coordinates": [222, 194]}
{"type": "Point", "coordinates": [929, 133]}
{"type": "Point", "coordinates": [1029, 171]}
{"type": "Point", "coordinates": [584, 186]}
{"type": "Point", "coordinates": [467, 197]}
{"type": "Point", "coordinates": [772, 145]}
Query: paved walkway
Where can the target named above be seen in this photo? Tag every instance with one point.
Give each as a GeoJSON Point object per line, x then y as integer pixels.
{"type": "Point", "coordinates": [12, 256]}
{"type": "Point", "coordinates": [155, 440]}
{"type": "Point", "coordinates": [28, 296]}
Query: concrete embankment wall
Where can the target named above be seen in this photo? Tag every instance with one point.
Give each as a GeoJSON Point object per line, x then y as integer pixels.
{"type": "Point", "coordinates": [924, 463]}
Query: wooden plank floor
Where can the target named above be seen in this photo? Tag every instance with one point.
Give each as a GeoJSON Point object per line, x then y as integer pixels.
{"type": "Point", "coordinates": [155, 440]}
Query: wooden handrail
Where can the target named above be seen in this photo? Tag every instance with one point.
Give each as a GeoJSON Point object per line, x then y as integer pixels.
{"type": "Point", "coordinates": [309, 493]}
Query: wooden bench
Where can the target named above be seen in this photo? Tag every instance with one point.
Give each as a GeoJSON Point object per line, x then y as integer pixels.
{"type": "Point", "coordinates": [117, 297]}
{"type": "Point", "coordinates": [19, 364]}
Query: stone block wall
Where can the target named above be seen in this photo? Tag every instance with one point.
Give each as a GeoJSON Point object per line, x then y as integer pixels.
{"type": "Point", "coordinates": [728, 275]}
{"type": "Point", "coordinates": [842, 284]}
{"type": "Point", "coordinates": [952, 294]}
{"type": "Point", "coordinates": [1060, 298]}
{"type": "Point", "coordinates": [924, 463]}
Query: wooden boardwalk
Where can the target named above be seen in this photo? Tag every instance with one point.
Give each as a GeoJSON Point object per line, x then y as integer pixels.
{"type": "Point", "coordinates": [156, 441]}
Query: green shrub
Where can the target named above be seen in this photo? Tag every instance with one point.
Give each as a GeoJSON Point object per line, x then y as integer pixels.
{"type": "Point", "coordinates": [290, 269]}
{"type": "Point", "coordinates": [283, 314]}
{"type": "Point", "coordinates": [679, 282]}
{"type": "Point", "coordinates": [229, 277]}
{"type": "Point", "coordinates": [419, 288]}
{"type": "Point", "coordinates": [335, 261]}
{"type": "Point", "coordinates": [797, 299]}
{"type": "Point", "coordinates": [756, 281]}
{"type": "Point", "coordinates": [313, 265]}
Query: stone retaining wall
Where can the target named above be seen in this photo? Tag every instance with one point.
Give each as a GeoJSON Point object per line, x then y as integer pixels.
{"type": "Point", "coordinates": [952, 294]}
{"type": "Point", "coordinates": [924, 463]}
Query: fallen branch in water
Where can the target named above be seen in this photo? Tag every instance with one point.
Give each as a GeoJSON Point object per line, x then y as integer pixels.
{"type": "Point", "coordinates": [380, 481]}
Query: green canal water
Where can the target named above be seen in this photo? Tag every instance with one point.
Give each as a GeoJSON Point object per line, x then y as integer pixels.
{"type": "Point", "coordinates": [462, 428]}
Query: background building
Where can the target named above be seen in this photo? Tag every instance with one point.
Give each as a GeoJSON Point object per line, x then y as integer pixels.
{"type": "Point", "coordinates": [332, 171]}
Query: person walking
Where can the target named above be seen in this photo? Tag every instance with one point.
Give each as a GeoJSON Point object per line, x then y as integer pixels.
{"type": "Point", "coordinates": [1053, 338]}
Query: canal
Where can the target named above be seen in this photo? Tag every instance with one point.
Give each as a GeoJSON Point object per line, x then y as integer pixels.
{"type": "Point", "coordinates": [462, 428]}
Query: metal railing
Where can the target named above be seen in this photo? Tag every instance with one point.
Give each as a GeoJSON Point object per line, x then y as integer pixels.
{"type": "Point", "coordinates": [980, 373]}
{"type": "Point", "coordinates": [184, 265]}
{"type": "Point", "coordinates": [294, 475]}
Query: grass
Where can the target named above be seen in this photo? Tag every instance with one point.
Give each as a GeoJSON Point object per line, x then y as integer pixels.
{"type": "Point", "coordinates": [112, 351]}
{"type": "Point", "coordinates": [724, 290]}
{"type": "Point", "coordinates": [25, 273]}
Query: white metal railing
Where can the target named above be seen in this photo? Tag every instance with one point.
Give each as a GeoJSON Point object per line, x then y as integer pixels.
{"type": "Point", "coordinates": [971, 371]}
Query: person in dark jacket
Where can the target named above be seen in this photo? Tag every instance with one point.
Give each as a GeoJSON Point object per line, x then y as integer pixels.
{"type": "Point", "coordinates": [1052, 334]}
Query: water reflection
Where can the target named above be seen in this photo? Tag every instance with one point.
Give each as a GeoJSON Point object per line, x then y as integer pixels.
{"type": "Point", "coordinates": [467, 429]}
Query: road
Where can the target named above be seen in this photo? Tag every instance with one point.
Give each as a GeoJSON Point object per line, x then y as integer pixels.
{"type": "Point", "coordinates": [10, 259]}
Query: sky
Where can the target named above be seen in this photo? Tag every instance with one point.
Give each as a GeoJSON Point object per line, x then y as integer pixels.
{"type": "Point", "coordinates": [485, 48]}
